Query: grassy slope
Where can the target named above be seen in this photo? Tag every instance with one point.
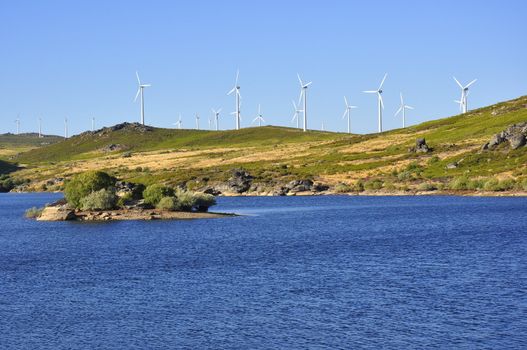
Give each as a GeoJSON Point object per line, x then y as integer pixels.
{"type": "Point", "coordinates": [11, 144]}
{"type": "Point", "coordinates": [276, 154]}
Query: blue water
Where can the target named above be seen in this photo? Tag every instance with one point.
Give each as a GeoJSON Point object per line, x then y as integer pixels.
{"type": "Point", "coordinates": [294, 272]}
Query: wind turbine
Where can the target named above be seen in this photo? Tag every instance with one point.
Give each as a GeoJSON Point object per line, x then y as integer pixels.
{"type": "Point", "coordinates": [379, 100]}
{"type": "Point", "coordinates": [17, 122]}
{"type": "Point", "coordinates": [197, 121]}
{"type": "Point", "coordinates": [259, 117]}
{"type": "Point", "coordinates": [323, 126]}
{"type": "Point", "coordinates": [463, 102]}
{"type": "Point", "coordinates": [216, 117]}
{"type": "Point", "coordinates": [347, 113]}
{"type": "Point", "coordinates": [303, 93]}
{"type": "Point", "coordinates": [179, 122]}
{"type": "Point", "coordinates": [296, 115]}
{"type": "Point", "coordinates": [403, 109]}
{"type": "Point", "coordinates": [140, 91]}
{"type": "Point", "coordinates": [39, 127]}
{"type": "Point", "coordinates": [66, 128]}
{"type": "Point", "coordinates": [92, 124]}
{"type": "Point", "coordinates": [236, 89]}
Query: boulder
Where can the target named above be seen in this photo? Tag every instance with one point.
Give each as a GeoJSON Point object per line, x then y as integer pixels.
{"type": "Point", "coordinates": [517, 141]}
{"type": "Point", "coordinates": [299, 186]}
{"type": "Point", "coordinates": [320, 187]}
{"type": "Point", "coordinates": [213, 191]}
{"type": "Point", "coordinates": [239, 182]}
{"type": "Point", "coordinates": [451, 165]}
{"type": "Point", "coordinates": [515, 135]}
{"type": "Point", "coordinates": [59, 213]}
{"type": "Point", "coordinates": [421, 146]}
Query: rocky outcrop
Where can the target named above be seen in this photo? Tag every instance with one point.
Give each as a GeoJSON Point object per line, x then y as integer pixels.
{"type": "Point", "coordinates": [296, 186]}
{"type": "Point", "coordinates": [57, 213]}
{"type": "Point", "coordinates": [239, 182]}
{"type": "Point", "coordinates": [515, 135]}
{"type": "Point", "coordinates": [420, 147]}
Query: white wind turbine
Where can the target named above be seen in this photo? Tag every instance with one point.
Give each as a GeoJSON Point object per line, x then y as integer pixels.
{"type": "Point", "coordinates": [259, 117]}
{"type": "Point", "coordinates": [296, 115]}
{"type": "Point", "coordinates": [39, 127]}
{"type": "Point", "coordinates": [140, 91]}
{"type": "Point", "coordinates": [303, 94]}
{"type": "Point", "coordinates": [379, 101]}
{"type": "Point", "coordinates": [197, 121]}
{"type": "Point", "coordinates": [347, 113]}
{"type": "Point", "coordinates": [463, 102]}
{"type": "Point", "coordinates": [179, 122]}
{"type": "Point", "coordinates": [66, 127]}
{"type": "Point", "coordinates": [403, 109]}
{"type": "Point", "coordinates": [17, 122]}
{"type": "Point", "coordinates": [92, 124]}
{"type": "Point", "coordinates": [236, 89]}
{"type": "Point", "coordinates": [216, 117]}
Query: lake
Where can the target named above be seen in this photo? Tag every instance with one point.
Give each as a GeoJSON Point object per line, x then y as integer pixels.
{"type": "Point", "coordinates": [291, 273]}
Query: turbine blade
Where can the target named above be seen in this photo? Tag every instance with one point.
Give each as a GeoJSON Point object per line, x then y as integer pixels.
{"type": "Point", "coordinates": [370, 92]}
{"type": "Point", "coordinates": [382, 82]}
{"type": "Point", "coordinates": [308, 84]}
{"type": "Point", "coordinates": [137, 95]}
{"type": "Point", "coordinates": [137, 75]}
{"type": "Point", "coordinates": [300, 79]}
{"type": "Point", "coordinates": [398, 111]}
{"type": "Point", "coordinates": [458, 83]}
{"type": "Point", "coordinates": [237, 76]}
{"type": "Point", "coordinates": [402, 101]}
{"type": "Point", "coordinates": [345, 113]}
{"type": "Point", "coordinates": [218, 111]}
{"type": "Point", "coordinates": [294, 104]}
{"type": "Point", "coordinates": [409, 107]}
{"type": "Point", "coordinates": [146, 85]}
{"type": "Point", "coordinates": [346, 101]}
{"type": "Point", "coordinates": [230, 92]}
{"type": "Point", "coordinates": [472, 82]}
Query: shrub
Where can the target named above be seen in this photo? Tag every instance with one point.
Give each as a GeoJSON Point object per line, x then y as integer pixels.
{"type": "Point", "coordinates": [203, 201]}
{"type": "Point", "coordinates": [507, 184]}
{"type": "Point", "coordinates": [81, 185]}
{"type": "Point", "coordinates": [523, 184]}
{"type": "Point", "coordinates": [33, 213]}
{"type": "Point", "coordinates": [426, 186]}
{"type": "Point", "coordinates": [405, 175]}
{"type": "Point", "coordinates": [359, 186]}
{"type": "Point", "coordinates": [433, 160]}
{"type": "Point", "coordinates": [459, 183]}
{"type": "Point", "coordinates": [475, 185]}
{"type": "Point", "coordinates": [100, 200]}
{"type": "Point", "coordinates": [185, 200]}
{"type": "Point", "coordinates": [373, 185]}
{"type": "Point", "coordinates": [168, 203]}
{"type": "Point", "coordinates": [492, 185]}
{"type": "Point", "coordinates": [342, 188]}
{"type": "Point", "coordinates": [153, 193]}
{"type": "Point", "coordinates": [124, 199]}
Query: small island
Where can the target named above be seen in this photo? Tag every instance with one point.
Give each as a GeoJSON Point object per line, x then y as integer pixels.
{"type": "Point", "coordinates": [97, 196]}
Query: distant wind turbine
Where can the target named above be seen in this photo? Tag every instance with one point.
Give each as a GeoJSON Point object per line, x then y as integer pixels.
{"type": "Point", "coordinates": [347, 113]}
{"type": "Point", "coordinates": [259, 117]}
{"type": "Point", "coordinates": [323, 126]}
{"type": "Point", "coordinates": [216, 117]}
{"type": "Point", "coordinates": [197, 121]}
{"type": "Point", "coordinates": [140, 91]}
{"type": "Point", "coordinates": [296, 115]}
{"type": "Point", "coordinates": [179, 122]}
{"type": "Point", "coordinates": [236, 90]}
{"type": "Point", "coordinates": [403, 109]}
{"type": "Point", "coordinates": [379, 101]}
{"type": "Point", "coordinates": [92, 124]}
{"type": "Point", "coordinates": [463, 101]}
{"type": "Point", "coordinates": [39, 127]}
{"type": "Point", "coordinates": [303, 94]}
{"type": "Point", "coordinates": [66, 127]}
{"type": "Point", "coordinates": [17, 122]}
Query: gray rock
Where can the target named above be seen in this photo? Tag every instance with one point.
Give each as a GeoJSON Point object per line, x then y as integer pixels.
{"type": "Point", "coordinates": [517, 141]}
{"type": "Point", "coordinates": [421, 146]}
{"type": "Point", "coordinates": [299, 186]}
{"type": "Point", "coordinates": [319, 187]}
{"type": "Point", "coordinates": [239, 182]}
{"type": "Point", "coordinates": [452, 165]}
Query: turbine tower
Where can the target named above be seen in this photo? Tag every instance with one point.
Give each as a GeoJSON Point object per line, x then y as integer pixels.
{"type": "Point", "coordinates": [403, 109]}
{"type": "Point", "coordinates": [92, 124]}
{"type": "Point", "coordinates": [236, 89]}
{"type": "Point", "coordinates": [66, 128]}
{"type": "Point", "coordinates": [259, 117]}
{"type": "Point", "coordinates": [216, 117]}
{"type": "Point", "coordinates": [347, 113]}
{"type": "Point", "coordinates": [197, 121]}
{"type": "Point", "coordinates": [379, 101]}
{"type": "Point", "coordinates": [39, 127]}
{"type": "Point", "coordinates": [140, 91]}
{"type": "Point", "coordinates": [303, 94]}
{"type": "Point", "coordinates": [17, 122]}
{"type": "Point", "coordinates": [463, 102]}
{"type": "Point", "coordinates": [296, 115]}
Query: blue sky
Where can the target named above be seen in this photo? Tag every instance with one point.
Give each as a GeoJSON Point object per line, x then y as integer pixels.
{"type": "Point", "coordinates": [78, 59]}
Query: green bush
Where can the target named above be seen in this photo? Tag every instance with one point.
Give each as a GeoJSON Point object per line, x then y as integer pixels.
{"type": "Point", "coordinates": [103, 199]}
{"type": "Point", "coordinates": [185, 200]}
{"type": "Point", "coordinates": [523, 184]}
{"type": "Point", "coordinates": [153, 193]}
{"type": "Point", "coordinates": [342, 188]}
{"type": "Point", "coordinates": [358, 186]}
{"type": "Point", "coordinates": [124, 199]}
{"type": "Point", "coordinates": [168, 203]}
{"type": "Point", "coordinates": [81, 185]}
{"type": "Point", "coordinates": [33, 213]}
{"type": "Point", "coordinates": [475, 185]}
{"type": "Point", "coordinates": [459, 183]}
{"type": "Point", "coordinates": [405, 175]}
{"type": "Point", "coordinates": [203, 201]}
{"type": "Point", "coordinates": [426, 186]}
{"type": "Point", "coordinates": [373, 185]}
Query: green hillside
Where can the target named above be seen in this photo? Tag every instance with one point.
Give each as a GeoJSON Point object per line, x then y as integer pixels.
{"type": "Point", "coordinates": [274, 156]}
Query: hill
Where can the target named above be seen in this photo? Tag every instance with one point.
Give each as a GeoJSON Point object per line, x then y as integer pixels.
{"type": "Point", "coordinates": [272, 157]}
{"type": "Point", "coordinates": [11, 144]}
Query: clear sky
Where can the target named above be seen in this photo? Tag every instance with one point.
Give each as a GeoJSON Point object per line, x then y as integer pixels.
{"type": "Point", "coordinates": [78, 59]}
